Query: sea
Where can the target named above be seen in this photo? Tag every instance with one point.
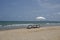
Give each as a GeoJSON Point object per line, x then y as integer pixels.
{"type": "Point", "coordinates": [6, 25]}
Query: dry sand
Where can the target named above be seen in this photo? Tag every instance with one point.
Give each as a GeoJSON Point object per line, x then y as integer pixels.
{"type": "Point", "coordinates": [44, 33]}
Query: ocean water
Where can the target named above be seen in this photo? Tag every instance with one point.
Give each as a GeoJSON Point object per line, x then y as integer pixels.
{"type": "Point", "coordinates": [24, 24]}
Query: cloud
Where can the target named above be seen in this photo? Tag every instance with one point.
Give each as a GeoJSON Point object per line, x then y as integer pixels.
{"type": "Point", "coordinates": [47, 7]}
{"type": "Point", "coordinates": [15, 16]}
{"type": "Point", "coordinates": [19, 16]}
{"type": "Point", "coordinates": [48, 4]}
{"type": "Point", "coordinates": [58, 13]}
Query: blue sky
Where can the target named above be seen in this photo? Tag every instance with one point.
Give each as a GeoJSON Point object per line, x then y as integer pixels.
{"type": "Point", "coordinates": [28, 10]}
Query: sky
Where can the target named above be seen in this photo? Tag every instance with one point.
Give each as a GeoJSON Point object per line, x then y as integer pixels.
{"type": "Point", "coordinates": [28, 10]}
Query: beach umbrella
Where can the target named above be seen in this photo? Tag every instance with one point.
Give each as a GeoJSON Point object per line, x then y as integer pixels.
{"type": "Point", "coordinates": [41, 18]}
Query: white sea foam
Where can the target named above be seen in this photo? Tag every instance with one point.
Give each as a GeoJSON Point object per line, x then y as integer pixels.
{"type": "Point", "coordinates": [0, 25]}
{"type": "Point", "coordinates": [10, 26]}
{"type": "Point", "coordinates": [17, 25]}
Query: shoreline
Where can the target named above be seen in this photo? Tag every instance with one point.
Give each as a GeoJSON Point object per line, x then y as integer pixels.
{"type": "Point", "coordinates": [43, 33]}
{"type": "Point", "coordinates": [3, 29]}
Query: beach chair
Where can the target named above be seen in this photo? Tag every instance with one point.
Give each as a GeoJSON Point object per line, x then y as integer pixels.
{"type": "Point", "coordinates": [33, 26]}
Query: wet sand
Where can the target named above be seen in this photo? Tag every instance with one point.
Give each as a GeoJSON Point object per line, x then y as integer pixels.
{"type": "Point", "coordinates": [43, 33]}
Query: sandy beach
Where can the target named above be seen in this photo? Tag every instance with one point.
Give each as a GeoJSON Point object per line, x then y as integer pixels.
{"type": "Point", "coordinates": [43, 33]}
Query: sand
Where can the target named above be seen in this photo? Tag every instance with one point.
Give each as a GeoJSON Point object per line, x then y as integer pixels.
{"type": "Point", "coordinates": [43, 33]}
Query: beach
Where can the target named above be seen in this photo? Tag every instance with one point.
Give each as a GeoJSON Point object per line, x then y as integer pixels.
{"type": "Point", "coordinates": [43, 33]}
